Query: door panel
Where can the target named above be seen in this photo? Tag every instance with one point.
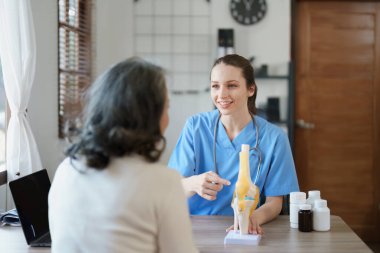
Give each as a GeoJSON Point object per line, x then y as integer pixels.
{"type": "Point", "coordinates": [337, 91]}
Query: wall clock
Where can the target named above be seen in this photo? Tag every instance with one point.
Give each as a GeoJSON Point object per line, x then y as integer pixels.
{"type": "Point", "coordinates": [248, 12]}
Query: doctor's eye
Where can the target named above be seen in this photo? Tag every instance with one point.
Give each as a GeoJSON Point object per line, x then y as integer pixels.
{"type": "Point", "coordinates": [232, 85]}
{"type": "Point", "coordinates": [214, 86]}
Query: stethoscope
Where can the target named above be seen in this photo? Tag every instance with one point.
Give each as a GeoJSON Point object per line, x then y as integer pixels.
{"type": "Point", "coordinates": [255, 148]}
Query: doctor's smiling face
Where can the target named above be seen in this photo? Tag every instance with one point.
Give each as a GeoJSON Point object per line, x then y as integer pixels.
{"type": "Point", "coordinates": [229, 89]}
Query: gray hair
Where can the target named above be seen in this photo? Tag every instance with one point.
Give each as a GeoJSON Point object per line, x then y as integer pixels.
{"type": "Point", "coordinates": [122, 115]}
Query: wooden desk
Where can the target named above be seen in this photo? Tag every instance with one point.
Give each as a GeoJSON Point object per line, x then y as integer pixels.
{"type": "Point", "coordinates": [209, 233]}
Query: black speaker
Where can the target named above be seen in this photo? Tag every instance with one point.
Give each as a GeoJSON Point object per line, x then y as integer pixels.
{"type": "Point", "coordinates": [225, 42]}
{"type": "Point", "coordinates": [225, 37]}
{"type": "Point", "coordinates": [273, 109]}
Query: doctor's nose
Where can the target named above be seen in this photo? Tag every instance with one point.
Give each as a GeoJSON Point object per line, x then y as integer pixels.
{"type": "Point", "coordinates": [223, 92]}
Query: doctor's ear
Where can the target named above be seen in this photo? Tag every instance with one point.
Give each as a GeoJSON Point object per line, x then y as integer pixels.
{"type": "Point", "coordinates": [252, 90]}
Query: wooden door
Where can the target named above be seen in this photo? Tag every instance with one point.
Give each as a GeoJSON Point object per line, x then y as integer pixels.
{"type": "Point", "coordinates": [337, 108]}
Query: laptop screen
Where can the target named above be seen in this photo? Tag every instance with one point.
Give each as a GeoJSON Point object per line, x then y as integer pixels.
{"type": "Point", "coordinates": [30, 195]}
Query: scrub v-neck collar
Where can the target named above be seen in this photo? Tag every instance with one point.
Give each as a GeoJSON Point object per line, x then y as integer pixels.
{"type": "Point", "coordinates": [246, 136]}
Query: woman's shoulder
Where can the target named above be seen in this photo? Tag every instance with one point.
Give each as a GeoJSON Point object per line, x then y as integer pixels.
{"type": "Point", "coordinates": [270, 129]}
{"type": "Point", "coordinates": [149, 171]}
{"type": "Point", "coordinates": [162, 169]}
{"type": "Point", "coordinates": [72, 165]}
{"type": "Point", "coordinates": [159, 177]}
{"type": "Point", "coordinates": [65, 166]}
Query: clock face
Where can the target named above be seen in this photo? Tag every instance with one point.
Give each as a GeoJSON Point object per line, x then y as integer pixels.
{"type": "Point", "coordinates": [248, 12]}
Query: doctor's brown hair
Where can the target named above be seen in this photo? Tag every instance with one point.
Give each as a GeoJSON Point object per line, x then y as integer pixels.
{"type": "Point", "coordinates": [122, 115]}
{"type": "Point", "coordinates": [247, 72]}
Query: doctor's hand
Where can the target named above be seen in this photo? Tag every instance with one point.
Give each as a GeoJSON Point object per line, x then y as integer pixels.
{"type": "Point", "coordinates": [253, 228]}
{"type": "Point", "coordinates": [206, 185]}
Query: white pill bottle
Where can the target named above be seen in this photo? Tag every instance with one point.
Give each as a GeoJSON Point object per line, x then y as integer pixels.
{"type": "Point", "coordinates": [296, 200]}
{"type": "Point", "coordinates": [321, 215]}
{"type": "Point", "coordinates": [312, 197]}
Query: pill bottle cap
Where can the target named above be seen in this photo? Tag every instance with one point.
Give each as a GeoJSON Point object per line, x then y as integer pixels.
{"type": "Point", "coordinates": [315, 194]}
{"type": "Point", "coordinates": [297, 197]}
{"type": "Point", "coordinates": [305, 207]}
{"type": "Point", "coordinates": [245, 148]}
{"type": "Point", "coordinates": [319, 203]}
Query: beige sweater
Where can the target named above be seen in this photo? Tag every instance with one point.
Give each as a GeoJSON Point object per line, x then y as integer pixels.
{"type": "Point", "coordinates": [132, 206]}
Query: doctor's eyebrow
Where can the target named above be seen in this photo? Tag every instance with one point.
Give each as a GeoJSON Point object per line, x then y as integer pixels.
{"type": "Point", "coordinates": [227, 82]}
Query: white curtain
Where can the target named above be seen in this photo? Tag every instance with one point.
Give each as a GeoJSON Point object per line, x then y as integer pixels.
{"type": "Point", "coordinates": [18, 57]}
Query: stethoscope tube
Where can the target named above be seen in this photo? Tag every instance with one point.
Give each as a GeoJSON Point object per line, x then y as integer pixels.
{"type": "Point", "coordinates": [255, 148]}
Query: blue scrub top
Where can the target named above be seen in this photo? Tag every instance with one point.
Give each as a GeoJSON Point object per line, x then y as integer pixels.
{"type": "Point", "coordinates": [193, 155]}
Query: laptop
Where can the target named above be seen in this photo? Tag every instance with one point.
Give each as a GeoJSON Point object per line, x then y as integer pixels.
{"type": "Point", "coordinates": [30, 195]}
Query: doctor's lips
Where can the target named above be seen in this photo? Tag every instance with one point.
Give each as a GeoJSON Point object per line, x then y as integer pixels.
{"type": "Point", "coordinates": [224, 103]}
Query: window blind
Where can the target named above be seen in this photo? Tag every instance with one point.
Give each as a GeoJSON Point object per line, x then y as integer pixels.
{"type": "Point", "coordinates": [74, 45]}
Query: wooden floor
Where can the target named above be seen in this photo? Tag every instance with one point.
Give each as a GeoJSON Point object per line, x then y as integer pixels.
{"type": "Point", "coordinates": [375, 247]}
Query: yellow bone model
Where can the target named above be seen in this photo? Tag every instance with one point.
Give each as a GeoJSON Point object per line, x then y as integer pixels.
{"type": "Point", "coordinates": [246, 194]}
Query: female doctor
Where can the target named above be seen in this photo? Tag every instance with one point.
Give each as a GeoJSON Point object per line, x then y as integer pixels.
{"type": "Point", "coordinates": [207, 151]}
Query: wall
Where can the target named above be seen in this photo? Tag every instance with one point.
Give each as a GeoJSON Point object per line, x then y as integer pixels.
{"type": "Point", "coordinates": [43, 105]}
{"type": "Point", "coordinates": [268, 40]}
{"type": "Point", "coordinates": [113, 33]}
